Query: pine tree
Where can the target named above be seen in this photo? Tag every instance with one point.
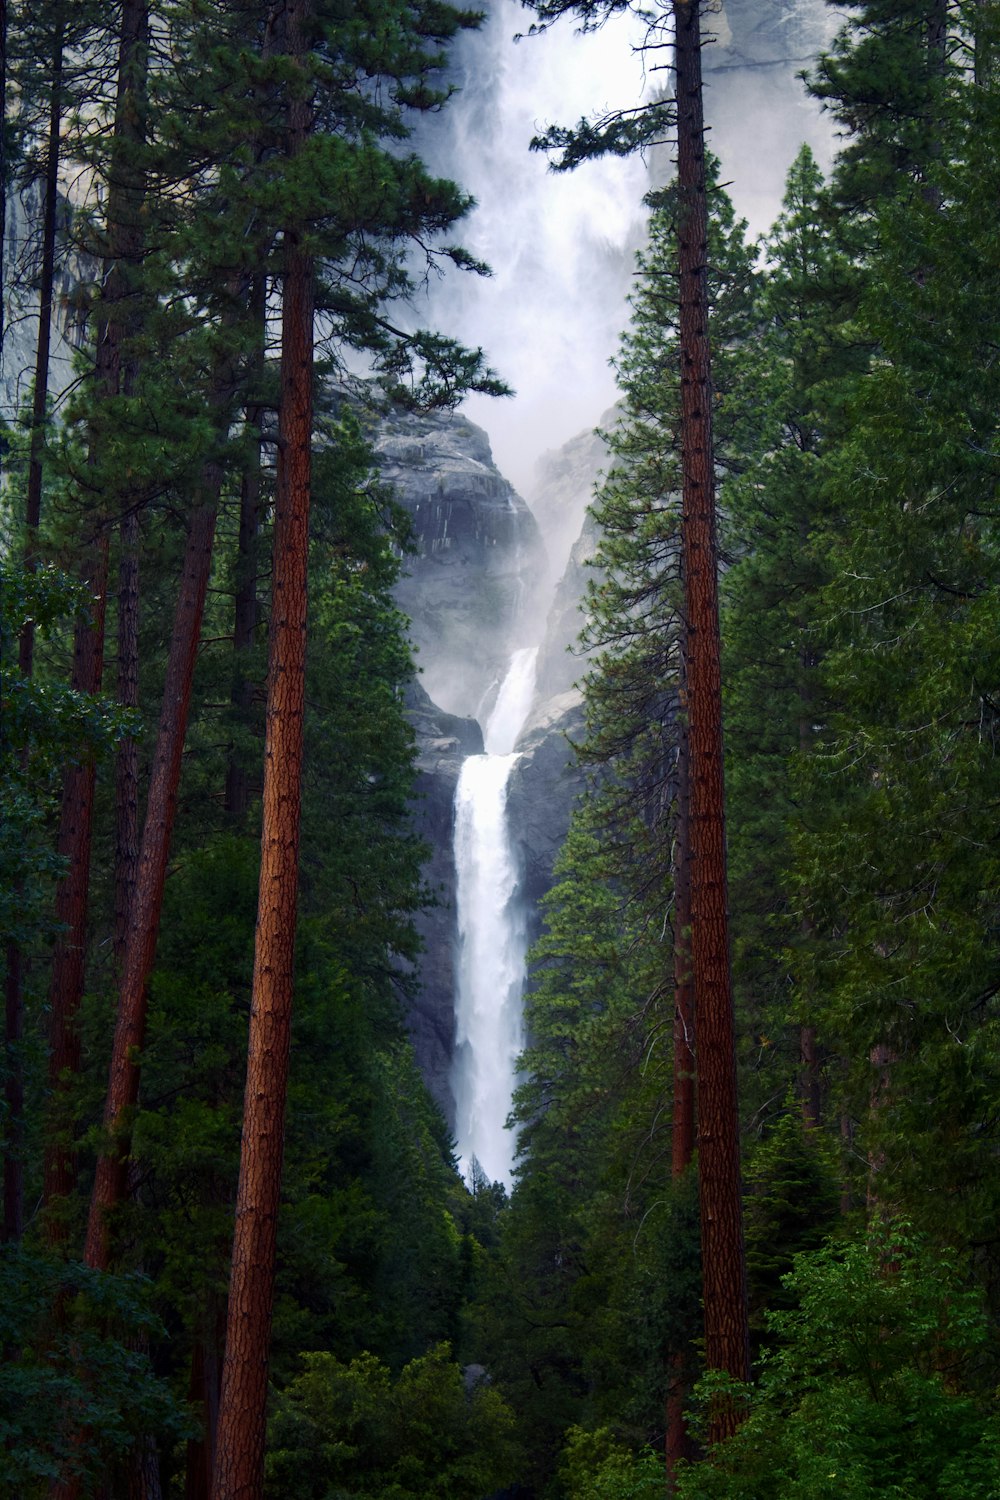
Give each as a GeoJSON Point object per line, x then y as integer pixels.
{"type": "Point", "coordinates": [901, 894]}
{"type": "Point", "coordinates": [723, 1266]}
{"type": "Point", "coordinates": [779, 520]}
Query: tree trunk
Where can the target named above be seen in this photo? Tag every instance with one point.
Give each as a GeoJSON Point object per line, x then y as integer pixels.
{"type": "Point", "coordinates": [127, 759]}
{"type": "Point", "coordinates": [203, 1397]}
{"type": "Point", "coordinates": [13, 1166]}
{"type": "Point", "coordinates": [810, 1083]}
{"type": "Point", "coordinates": [882, 1057]}
{"type": "Point", "coordinates": [4, 167]}
{"type": "Point", "coordinates": [811, 1092]}
{"type": "Point", "coordinates": [246, 609]}
{"type": "Point", "coordinates": [239, 1465]}
{"type": "Point", "coordinates": [723, 1261]}
{"type": "Point", "coordinates": [40, 400]}
{"type": "Point", "coordinates": [684, 1058]}
{"type": "Point", "coordinates": [140, 947]}
{"type": "Point", "coordinates": [678, 1445]}
{"type": "Point", "coordinates": [126, 190]}
{"type": "Point", "coordinates": [66, 989]}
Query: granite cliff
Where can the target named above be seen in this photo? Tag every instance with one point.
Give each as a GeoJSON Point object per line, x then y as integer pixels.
{"type": "Point", "coordinates": [480, 584]}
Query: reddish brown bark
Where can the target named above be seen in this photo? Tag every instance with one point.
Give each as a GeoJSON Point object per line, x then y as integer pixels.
{"type": "Point", "coordinates": [203, 1397]}
{"type": "Point", "coordinates": [33, 500]}
{"type": "Point", "coordinates": [140, 947]}
{"type": "Point", "coordinates": [882, 1058]}
{"type": "Point", "coordinates": [13, 1165]}
{"type": "Point", "coordinates": [13, 1158]}
{"type": "Point", "coordinates": [684, 1059]}
{"type": "Point", "coordinates": [810, 1083]}
{"type": "Point", "coordinates": [124, 220]}
{"type": "Point", "coordinates": [723, 1261]}
{"type": "Point", "coordinates": [239, 1465]}
{"type": "Point", "coordinates": [66, 990]}
{"type": "Point", "coordinates": [678, 1444]}
{"type": "Point", "coordinates": [246, 614]}
{"type": "Point", "coordinates": [127, 760]}
{"type": "Point", "coordinates": [4, 168]}
{"type": "Point", "coordinates": [810, 1088]}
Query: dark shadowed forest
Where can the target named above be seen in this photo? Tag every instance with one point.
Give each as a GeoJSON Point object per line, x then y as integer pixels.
{"type": "Point", "coordinates": [749, 1246]}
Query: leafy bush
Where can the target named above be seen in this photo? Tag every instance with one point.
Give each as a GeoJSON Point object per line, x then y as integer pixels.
{"type": "Point", "coordinates": [872, 1386]}
{"type": "Point", "coordinates": [349, 1430]}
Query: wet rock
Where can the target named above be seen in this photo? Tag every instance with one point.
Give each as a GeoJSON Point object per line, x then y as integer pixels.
{"type": "Point", "coordinates": [443, 742]}
{"type": "Point", "coordinates": [479, 551]}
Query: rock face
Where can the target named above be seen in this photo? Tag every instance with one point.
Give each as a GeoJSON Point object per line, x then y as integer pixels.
{"type": "Point", "coordinates": [443, 742]}
{"type": "Point", "coordinates": [21, 271]}
{"type": "Point", "coordinates": [564, 485]}
{"type": "Point", "coordinates": [784, 33]}
{"type": "Point", "coordinates": [547, 779]}
{"type": "Point", "coordinates": [479, 552]}
{"type": "Point", "coordinates": [475, 591]}
{"type": "Point", "coordinates": [561, 658]}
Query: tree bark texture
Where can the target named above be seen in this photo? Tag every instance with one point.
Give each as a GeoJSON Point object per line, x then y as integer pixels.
{"type": "Point", "coordinates": [144, 926]}
{"type": "Point", "coordinates": [723, 1260]}
{"type": "Point", "coordinates": [246, 612]}
{"type": "Point", "coordinates": [13, 1158]}
{"type": "Point", "coordinates": [13, 1165]}
{"type": "Point", "coordinates": [678, 1444]}
{"type": "Point", "coordinates": [127, 758]}
{"type": "Point", "coordinates": [126, 189]}
{"type": "Point", "coordinates": [684, 1058]}
{"type": "Point", "coordinates": [239, 1467]}
{"type": "Point", "coordinates": [66, 986]}
{"type": "Point", "coordinates": [4, 165]}
{"type": "Point", "coordinates": [43, 345]}
{"type": "Point", "coordinates": [203, 1398]}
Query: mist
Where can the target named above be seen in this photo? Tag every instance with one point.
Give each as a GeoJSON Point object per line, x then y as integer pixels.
{"type": "Point", "coordinates": [562, 246]}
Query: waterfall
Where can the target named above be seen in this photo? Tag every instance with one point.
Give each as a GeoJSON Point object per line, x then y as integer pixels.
{"type": "Point", "coordinates": [492, 935]}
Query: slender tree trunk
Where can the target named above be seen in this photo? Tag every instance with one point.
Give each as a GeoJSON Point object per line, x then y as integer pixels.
{"type": "Point", "coordinates": [13, 1160]}
{"type": "Point", "coordinates": [124, 219]}
{"type": "Point", "coordinates": [678, 1445]}
{"type": "Point", "coordinates": [810, 1086]}
{"type": "Point", "coordinates": [811, 1093]}
{"type": "Point", "coordinates": [4, 169]}
{"type": "Point", "coordinates": [13, 1185]}
{"type": "Point", "coordinates": [684, 1000]}
{"type": "Point", "coordinates": [203, 1397]}
{"type": "Point", "coordinates": [723, 1260]}
{"type": "Point", "coordinates": [247, 610]}
{"type": "Point", "coordinates": [73, 845]}
{"type": "Point", "coordinates": [882, 1058]}
{"type": "Point", "coordinates": [239, 1465]}
{"type": "Point", "coordinates": [40, 401]}
{"type": "Point", "coordinates": [127, 759]}
{"type": "Point", "coordinates": [140, 947]}
{"type": "Point", "coordinates": [936, 40]}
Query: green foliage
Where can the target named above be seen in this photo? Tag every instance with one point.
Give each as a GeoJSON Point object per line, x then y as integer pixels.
{"type": "Point", "coordinates": [595, 1285]}
{"type": "Point", "coordinates": [43, 723]}
{"type": "Point", "coordinates": [343, 1430]}
{"type": "Point", "coordinates": [77, 1386]}
{"type": "Point", "coordinates": [872, 1388]}
{"type": "Point", "coordinates": [791, 1206]}
{"type": "Point", "coordinates": [898, 895]}
{"type": "Point", "coordinates": [634, 603]}
{"type": "Point", "coordinates": [885, 80]}
{"type": "Point", "coordinates": [596, 1467]}
{"type": "Point", "coordinates": [777, 520]}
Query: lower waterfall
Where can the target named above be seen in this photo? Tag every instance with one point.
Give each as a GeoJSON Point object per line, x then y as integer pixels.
{"type": "Point", "coordinates": [492, 936]}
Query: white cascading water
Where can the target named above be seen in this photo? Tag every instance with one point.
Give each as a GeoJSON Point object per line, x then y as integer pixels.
{"type": "Point", "coordinates": [492, 936]}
